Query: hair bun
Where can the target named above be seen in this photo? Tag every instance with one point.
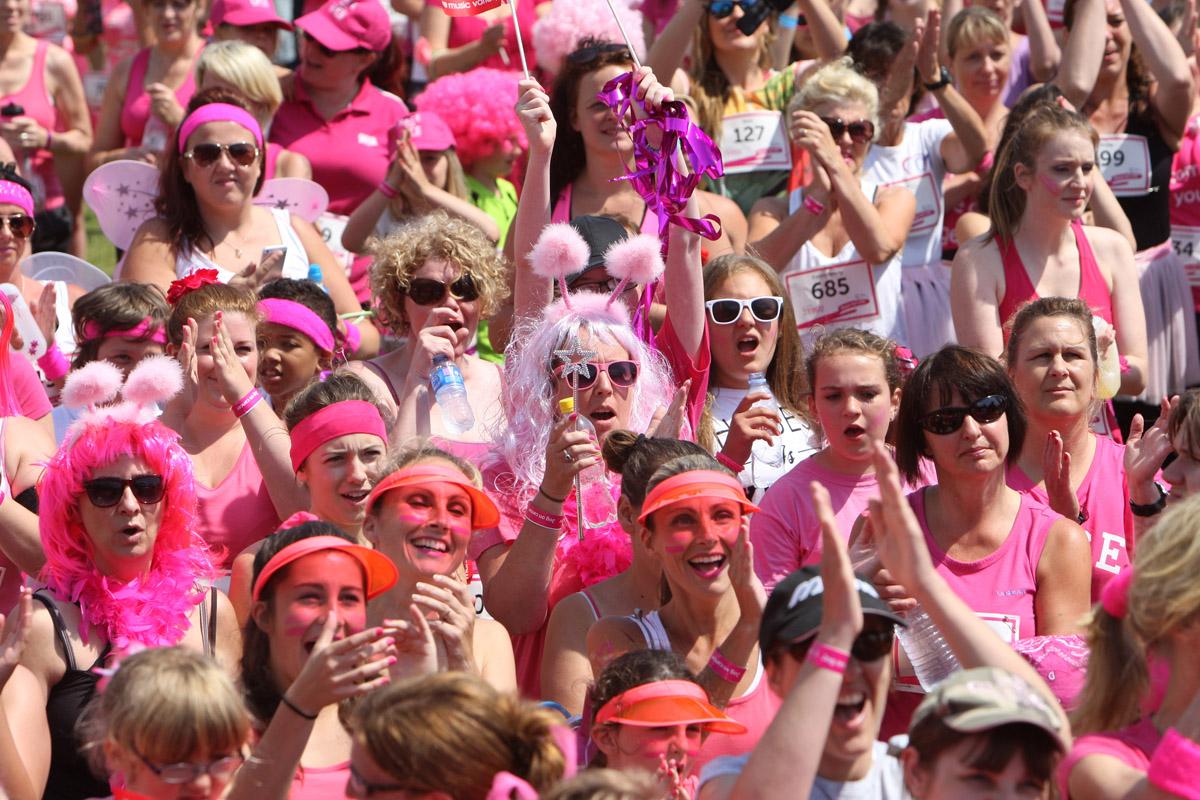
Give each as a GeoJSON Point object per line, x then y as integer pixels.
{"type": "Point", "coordinates": [618, 446]}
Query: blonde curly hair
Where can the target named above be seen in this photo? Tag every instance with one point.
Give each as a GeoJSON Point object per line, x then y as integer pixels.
{"type": "Point", "coordinates": [433, 236]}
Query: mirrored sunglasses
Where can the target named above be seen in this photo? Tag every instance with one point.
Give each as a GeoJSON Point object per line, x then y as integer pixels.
{"type": "Point", "coordinates": [949, 419]}
{"type": "Point", "coordinates": [205, 155]}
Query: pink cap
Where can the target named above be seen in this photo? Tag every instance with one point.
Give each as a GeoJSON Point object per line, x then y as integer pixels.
{"type": "Point", "coordinates": [428, 131]}
{"type": "Point", "coordinates": [349, 24]}
{"type": "Point", "coordinates": [243, 13]}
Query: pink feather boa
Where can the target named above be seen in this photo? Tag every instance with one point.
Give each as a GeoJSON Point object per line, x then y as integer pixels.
{"type": "Point", "coordinates": [603, 553]}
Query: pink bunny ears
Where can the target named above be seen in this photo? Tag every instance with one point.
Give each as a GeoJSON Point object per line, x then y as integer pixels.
{"type": "Point", "coordinates": [561, 251]}
{"type": "Point", "coordinates": [96, 385]}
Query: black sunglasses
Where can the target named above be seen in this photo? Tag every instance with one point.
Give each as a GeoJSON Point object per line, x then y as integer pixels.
{"type": "Point", "coordinates": [621, 373]}
{"type": "Point", "coordinates": [723, 8]}
{"type": "Point", "coordinates": [727, 310]}
{"type": "Point", "coordinates": [241, 153]}
{"type": "Point", "coordinates": [871, 645]}
{"type": "Point", "coordinates": [861, 131]}
{"type": "Point", "coordinates": [107, 492]}
{"type": "Point", "coordinates": [428, 292]}
{"type": "Point", "coordinates": [361, 787]}
{"type": "Point", "coordinates": [592, 52]}
{"type": "Point", "coordinates": [21, 225]}
{"type": "Point", "coordinates": [186, 772]}
{"type": "Point", "coordinates": [949, 419]}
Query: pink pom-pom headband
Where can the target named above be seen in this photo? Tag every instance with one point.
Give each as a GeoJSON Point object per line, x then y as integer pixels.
{"type": "Point", "coordinates": [219, 112]}
{"type": "Point", "coordinates": [299, 317]}
{"type": "Point", "coordinates": [16, 194]}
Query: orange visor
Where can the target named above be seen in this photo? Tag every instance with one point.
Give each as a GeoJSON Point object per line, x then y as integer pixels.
{"type": "Point", "coordinates": [378, 569]}
{"type": "Point", "coordinates": [697, 483]}
{"type": "Point", "coordinates": [661, 703]}
{"type": "Point", "coordinates": [484, 513]}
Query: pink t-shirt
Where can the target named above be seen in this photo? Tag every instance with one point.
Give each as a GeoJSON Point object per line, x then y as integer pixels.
{"type": "Point", "coordinates": [1133, 746]}
{"type": "Point", "coordinates": [28, 391]}
{"type": "Point", "coordinates": [468, 29]}
{"type": "Point", "coordinates": [348, 152]}
{"type": "Point", "coordinates": [1185, 205]}
{"type": "Point", "coordinates": [237, 512]}
{"type": "Point", "coordinates": [320, 783]}
{"type": "Point", "coordinates": [1104, 494]}
{"type": "Point", "coordinates": [683, 366]}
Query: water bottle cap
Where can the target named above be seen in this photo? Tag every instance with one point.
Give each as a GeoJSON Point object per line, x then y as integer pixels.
{"type": "Point", "coordinates": [438, 360]}
{"type": "Point", "coordinates": [566, 405]}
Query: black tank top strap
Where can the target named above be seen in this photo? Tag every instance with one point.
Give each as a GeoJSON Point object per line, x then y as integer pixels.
{"type": "Point", "coordinates": [208, 623]}
{"type": "Point", "coordinates": [60, 626]}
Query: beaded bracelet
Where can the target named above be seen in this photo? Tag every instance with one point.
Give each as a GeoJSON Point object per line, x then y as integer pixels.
{"type": "Point", "coordinates": [725, 669]}
{"type": "Point", "coordinates": [542, 519]}
{"type": "Point", "coordinates": [387, 191]}
{"type": "Point", "coordinates": [242, 407]}
{"type": "Point", "coordinates": [726, 461]}
{"type": "Point", "coordinates": [53, 363]}
{"type": "Point", "coordinates": [296, 709]}
{"type": "Point", "coordinates": [823, 656]}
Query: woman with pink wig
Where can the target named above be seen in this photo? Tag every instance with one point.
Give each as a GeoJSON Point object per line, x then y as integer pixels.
{"type": "Point", "coordinates": [125, 569]}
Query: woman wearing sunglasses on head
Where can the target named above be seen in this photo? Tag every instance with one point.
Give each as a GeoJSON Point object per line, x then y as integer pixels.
{"type": "Point", "coordinates": [1013, 560]}
{"type": "Point", "coordinates": [837, 242]}
{"type": "Point", "coordinates": [125, 569]}
{"type": "Point", "coordinates": [433, 281]}
{"type": "Point", "coordinates": [207, 218]}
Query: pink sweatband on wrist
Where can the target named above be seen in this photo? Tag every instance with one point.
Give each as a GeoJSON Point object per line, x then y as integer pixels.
{"type": "Point", "coordinates": [17, 195]}
{"type": "Point", "coordinates": [219, 112]}
{"type": "Point", "coordinates": [146, 330]}
{"type": "Point", "coordinates": [823, 656]}
{"type": "Point", "coordinates": [726, 461]}
{"type": "Point", "coordinates": [1124, 362]}
{"type": "Point", "coordinates": [53, 363]}
{"type": "Point", "coordinates": [725, 669]}
{"type": "Point", "coordinates": [332, 421]}
{"type": "Point", "coordinates": [1175, 765]}
{"type": "Point", "coordinates": [242, 407]}
{"type": "Point", "coordinates": [387, 191]}
{"type": "Point", "coordinates": [543, 519]}
{"type": "Point", "coordinates": [985, 163]}
{"type": "Point", "coordinates": [813, 206]}
{"type": "Point", "coordinates": [299, 317]}
{"type": "Point", "coordinates": [352, 338]}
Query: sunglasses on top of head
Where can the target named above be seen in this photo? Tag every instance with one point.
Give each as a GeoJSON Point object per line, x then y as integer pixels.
{"type": "Point", "coordinates": [950, 418]}
{"type": "Point", "coordinates": [205, 155]}
{"type": "Point", "coordinates": [727, 310]}
{"type": "Point", "coordinates": [870, 645]}
{"type": "Point", "coordinates": [592, 52]}
{"type": "Point", "coordinates": [107, 492]}
{"type": "Point", "coordinates": [861, 131]}
{"type": "Point", "coordinates": [21, 225]}
{"type": "Point", "coordinates": [428, 292]}
{"type": "Point", "coordinates": [621, 373]}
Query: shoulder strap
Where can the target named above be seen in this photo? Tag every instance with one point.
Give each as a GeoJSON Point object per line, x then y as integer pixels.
{"type": "Point", "coordinates": [60, 626]}
{"type": "Point", "coordinates": [211, 638]}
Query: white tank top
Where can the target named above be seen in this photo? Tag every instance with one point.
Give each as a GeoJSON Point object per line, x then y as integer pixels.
{"type": "Point", "coordinates": [843, 290]}
{"type": "Point", "coordinates": [295, 263]}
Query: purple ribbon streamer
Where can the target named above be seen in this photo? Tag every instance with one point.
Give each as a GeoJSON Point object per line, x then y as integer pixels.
{"type": "Point", "coordinates": [655, 177]}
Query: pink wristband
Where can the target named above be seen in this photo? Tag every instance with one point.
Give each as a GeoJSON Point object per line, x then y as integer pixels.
{"type": "Point", "coordinates": [53, 363]}
{"type": "Point", "coordinates": [1175, 765]}
{"type": "Point", "coordinates": [1124, 362]}
{"type": "Point", "coordinates": [823, 656]}
{"type": "Point", "coordinates": [725, 669]}
{"type": "Point", "coordinates": [543, 519]}
{"type": "Point", "coordinates": [387, 191]}
{"type": "Point", "coordinates": [242, 407]}
{"type": "Point", "coordinates": [813, 206]}
{"type": "Point", "coordinates": [734, 467]}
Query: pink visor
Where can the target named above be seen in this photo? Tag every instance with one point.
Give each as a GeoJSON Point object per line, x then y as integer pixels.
{"type": "Point", "coordinates": [332, 421]}
{"type": "Point", "coordinates": [697, 483]}
{"type": "Point", "coordinates": [219, 112]}
{"type": "Point", "coordinates": [653, 705]}
{"type": "Point", "coordinates": [299, 317]}
{"type": "Point", "coordinates": [378, 570]}
{"type": "Point", "coordinates": [16, 194]}
{"type": "Point", "coordinates": [146, 330]}
{"type": "Point", "coordinates": [484, 513]}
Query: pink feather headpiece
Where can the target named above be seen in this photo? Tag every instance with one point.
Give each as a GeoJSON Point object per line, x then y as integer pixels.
{"type": "Point", "coordinates": [561, 251]}
{"type": "Point", "coordinates": [96, 385]}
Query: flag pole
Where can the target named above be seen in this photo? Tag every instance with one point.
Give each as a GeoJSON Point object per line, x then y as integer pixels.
{"type": "Point", "coordinates": [512, 5]}
{"type": "Point", "coordinates": [624, 35]}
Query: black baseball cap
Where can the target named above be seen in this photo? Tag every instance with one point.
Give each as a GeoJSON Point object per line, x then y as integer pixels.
{"type": "Point", "coordinates": [600, 233]}
{"type": "Point", "coordinates": [793, 611]}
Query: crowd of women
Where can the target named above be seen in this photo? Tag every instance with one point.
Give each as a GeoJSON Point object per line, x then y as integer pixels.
{"type": "Point", "coordinates": [411, 450]}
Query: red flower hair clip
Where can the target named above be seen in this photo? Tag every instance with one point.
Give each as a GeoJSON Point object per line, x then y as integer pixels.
{"type": "Point", "coordinates": [906, 360]}
{"type": "Point", "coordinates": [190, 283]}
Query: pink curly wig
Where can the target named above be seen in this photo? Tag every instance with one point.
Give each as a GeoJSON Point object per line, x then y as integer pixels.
{"type": "Point", "coordinates": [152, 610]}
{"type": "Point", "coordinates": [569, 22]}
{"type": "Point", "coordinates": [478, 107]}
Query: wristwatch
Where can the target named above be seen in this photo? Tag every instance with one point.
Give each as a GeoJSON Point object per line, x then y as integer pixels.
{"type": "Point", "coordinates": [942, 81]}
{"type": "Point", "coordinates": [1150, 509]}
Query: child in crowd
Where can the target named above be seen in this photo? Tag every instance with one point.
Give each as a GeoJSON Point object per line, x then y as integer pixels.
{"type": "Point", "coordinates": [297, 337]}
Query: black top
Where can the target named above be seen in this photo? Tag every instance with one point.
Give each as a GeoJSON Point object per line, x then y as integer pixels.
{"type": "Point", "coordinates": [1150, 213]}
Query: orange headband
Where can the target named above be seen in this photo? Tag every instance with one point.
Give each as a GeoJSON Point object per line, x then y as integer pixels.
{"type": "Point", "coordinates": [675, 702]}
{"type": "Point", "coordinates": [484, 513]}
{"type": "Point", "coordinates": [696, 483]}
{"type": "Point", "coordinates": [379, 571]}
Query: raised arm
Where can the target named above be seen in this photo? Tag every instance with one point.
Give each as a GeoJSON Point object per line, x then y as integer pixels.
{"type": "Point", "coordinates": [1044, 53]}
{"type": "Point", "coordinates": [668, 50]}
{"type": "Point", "coordinates": [532, 293]}
{"type": "Point", "coordinates": [828, 31]}
{"type": "Point", "coordinates": [964, 148]}
{"type": "Point", "coordinates": [1174, 93]}
{"type": "Point", "coordinates": [1080, 56]}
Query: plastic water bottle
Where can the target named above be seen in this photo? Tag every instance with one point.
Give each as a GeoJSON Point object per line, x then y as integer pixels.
{"type": "Point", "coordinates": [770, 455]}
{"type": "Point", "coordinates": [597, 500]}
{"type": "Point", "coordinates": [316, 276]}
{"type": "Point", "coordinates": [1109, 366]}
{"type": "Point", "coordinates": [451, 394]}
{"type": "Point", "coordinates": [932, 659]}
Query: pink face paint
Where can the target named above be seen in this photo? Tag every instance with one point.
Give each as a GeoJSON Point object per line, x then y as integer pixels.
{"type": "Point", "coordinates": [1050, 185]}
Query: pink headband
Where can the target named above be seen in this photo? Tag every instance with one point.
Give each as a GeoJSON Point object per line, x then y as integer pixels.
{"type": "Point", "coordinates": [144, 330]}
{"type": "Point", "coordinates": [16, 194]}
{"type": "Point", "coordinates": [1114, 597]}
{"type": "Point", "coordinates": [332, 421]}
{"type": "Point", "coordinates": [299, 317]}
{"type": "Point", "coordinates": [219, 112]}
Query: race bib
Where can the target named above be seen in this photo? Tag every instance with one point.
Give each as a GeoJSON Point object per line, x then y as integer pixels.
{"type": "Point", "coordinates": [754, 141]}
{"type": "Point", "coordinates": [929, 201]}
{"type": "Point", "coordinates": [476, 585]}
{"type": "Point", "coordinates": [331, 227]}
{"type": "Point", "coordinates": [1125, 164]}
{"type": "Point", "coordinates": [48, 20]}
{"type": "Point", "coordinates": [1185, 241]}
{"type": "Point", "coordinates": [1055, 12]}
{"type": "Point", "coordinates": [835, 294]}
{"type": "Point", "coordinates": [94, 84]}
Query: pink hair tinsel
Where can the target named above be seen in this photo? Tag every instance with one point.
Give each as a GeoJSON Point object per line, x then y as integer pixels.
{"type": "Point", "coordinates": [478, 108]}
{"type": "Point", "coordinates": [568, 22]}
{"type": "Point", "coordinates": [637, 259]}
{"type": "Point", "coordinates": [558, 252]}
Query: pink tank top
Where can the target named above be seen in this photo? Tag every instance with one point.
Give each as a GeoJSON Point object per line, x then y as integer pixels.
{"type": "Point", "coordinates": [273, 151]}
{"type": "Point", "coordinates": [1103, 494]}
{"type": "Point", "coordinates": [1133, 746]}
{"type": "Point", "coordinates": [562, 213]}
{"type": "Point", "coordinates": [320, 783]}
{"type": "Point", "coordinates": [135, 111]}
{"type": "Point", "coordinates": [1018, 289]}
{"type": "Point", "coordinates": [237, 512]}
{"type": "Point", "coordinates": [38, 104]}
{"type": "Point", "coordinates": [11, 577]}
